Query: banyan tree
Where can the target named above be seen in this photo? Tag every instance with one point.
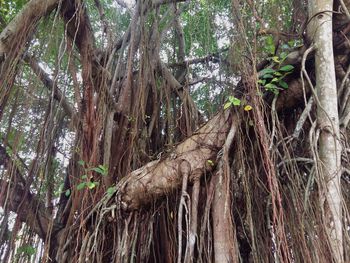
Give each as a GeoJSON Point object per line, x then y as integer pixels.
{"type": "Point", "coordinates": [174, 131]}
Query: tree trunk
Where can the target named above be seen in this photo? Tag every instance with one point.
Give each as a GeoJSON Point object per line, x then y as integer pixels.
{"type": "Point", "coordinates": [329, 152]}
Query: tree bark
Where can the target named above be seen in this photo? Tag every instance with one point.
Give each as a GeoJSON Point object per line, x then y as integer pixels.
{"type": "Point", "coordinates": [225, 249]}
{"type": "Point", "coordinates": [159, 177]}
{"type": "Point", "coordinates": [329, 166]}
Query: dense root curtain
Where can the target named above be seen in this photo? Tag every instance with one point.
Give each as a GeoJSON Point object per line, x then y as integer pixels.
{"type": "Point", "coordinates": [258, 182]}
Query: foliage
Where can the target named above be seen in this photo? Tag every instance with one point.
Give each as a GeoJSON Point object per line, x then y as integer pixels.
{"type": "Point", "coordinates": [8, 9]}
{"type": "Point", "coordinates": [88, 183]}
{"type": "Point", "coordinates": [25, 251]}
{"type": "Point", "coordinates": [233, 101]}
{"type": "Point", "coordinates": [273, 79]}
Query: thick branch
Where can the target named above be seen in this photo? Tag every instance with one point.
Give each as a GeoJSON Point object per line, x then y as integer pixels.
{"type": "Point", "coordinates": [162, 176]}
{"type": "Point", "coordinates": [23, 25]}
{"type": "Point", "coordinates": [28, 208]}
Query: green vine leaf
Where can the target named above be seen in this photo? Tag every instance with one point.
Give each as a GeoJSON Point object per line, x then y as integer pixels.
{"type": "Point", "coordinates": [276, 59]}
{"type": "Point", "coordinates": [234, 101]}
{"type": "Point", "coordinates": [267, 71]}
{"type": "Point", "coordinates": [227, 105]}
{"type": "Point", "coordinates": [262, 81]}
{"type": "Point", "coordinates": [97, 170]}
{"type": "Point", "coordinates": [81, 186]}
{"type": "Point", "coordinates": [91, 185]}
{"type": "Point", "coordinates": [283, 84]}
{"type": "Point", "coordinates": [267, 76]}
{"type": "Point", "coordinates": [286, 68]}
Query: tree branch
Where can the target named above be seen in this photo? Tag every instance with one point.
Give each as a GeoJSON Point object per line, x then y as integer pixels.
{"type": "Point", "coordinates": [214, 57]}
{"type": "Point", "coordinates": [28, 207]}
{"type": "Point", "coordinates": [162, 176]}
{"type": "Point", "coordinates": [49, 84]}
{"type": "Point", "coordinates": [163, 2]}
{"type": "Point", "coordinates": [26, 19]}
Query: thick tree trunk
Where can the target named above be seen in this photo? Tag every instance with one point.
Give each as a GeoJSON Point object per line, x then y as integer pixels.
{"type": "Point", "coordinates": [329, 166]}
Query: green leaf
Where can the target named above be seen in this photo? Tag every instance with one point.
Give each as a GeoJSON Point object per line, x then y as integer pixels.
{"type": "Point", "coordinates": [227, 105]}
{"type": "Point", "coordinates": [84, 176]}
{"type": "Point", "coordinates": [270, 45]}
{"type": "Point", "coordinates": [210, 162]}
{"type": "Point", "coordinates": [276, 59]}
{"type": "Point", "coordinates": [267, 76]}
{"type": "Point", "coordinates": [270, 86]}
{"type": "Point", "coordinates": [283, 55]}
{"type": "Point", "coordinates": [9, 151]}
{"type": "Point", "coordinates": [67, 193]}
{"type": "Point", "coordinates": [275, 91]}
{"type": "Point", "coordinates": [267, 71]}
{"type": "Point", "coordinates": [81, 162]}
{"type": "Point", "coordinates": [97, 170]}
{"type": "Point", "coordinates": [90, 185]}
{"type": "Point", "coordinates": [283, 84]}
{"type": "Point", "coordinates": [274, 80]}
{"type": "Point", "coordinates": [59, 189]}
{"type": "Point", "coordinates": [81, 185]}
{"type": "Point", "coordinates": [278, 74]}
{"type": "Point", "coordinates": [287, 68]}
{"type": "Point", "coordinates": [234, 101]}
{"type": "Point", "coordinates": [262, 81]}
{"type": "Point", "coordinates": [104, 169]}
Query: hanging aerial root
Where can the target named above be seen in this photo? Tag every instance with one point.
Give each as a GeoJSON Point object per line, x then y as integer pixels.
{"type": "Point", "coordinates": [225, 244]}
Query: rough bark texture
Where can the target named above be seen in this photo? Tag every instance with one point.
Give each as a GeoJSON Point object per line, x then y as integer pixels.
{"type": "Point", "coordinates": [162, 176]}
{"type": "Point", "coordinates": [225, 249]}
